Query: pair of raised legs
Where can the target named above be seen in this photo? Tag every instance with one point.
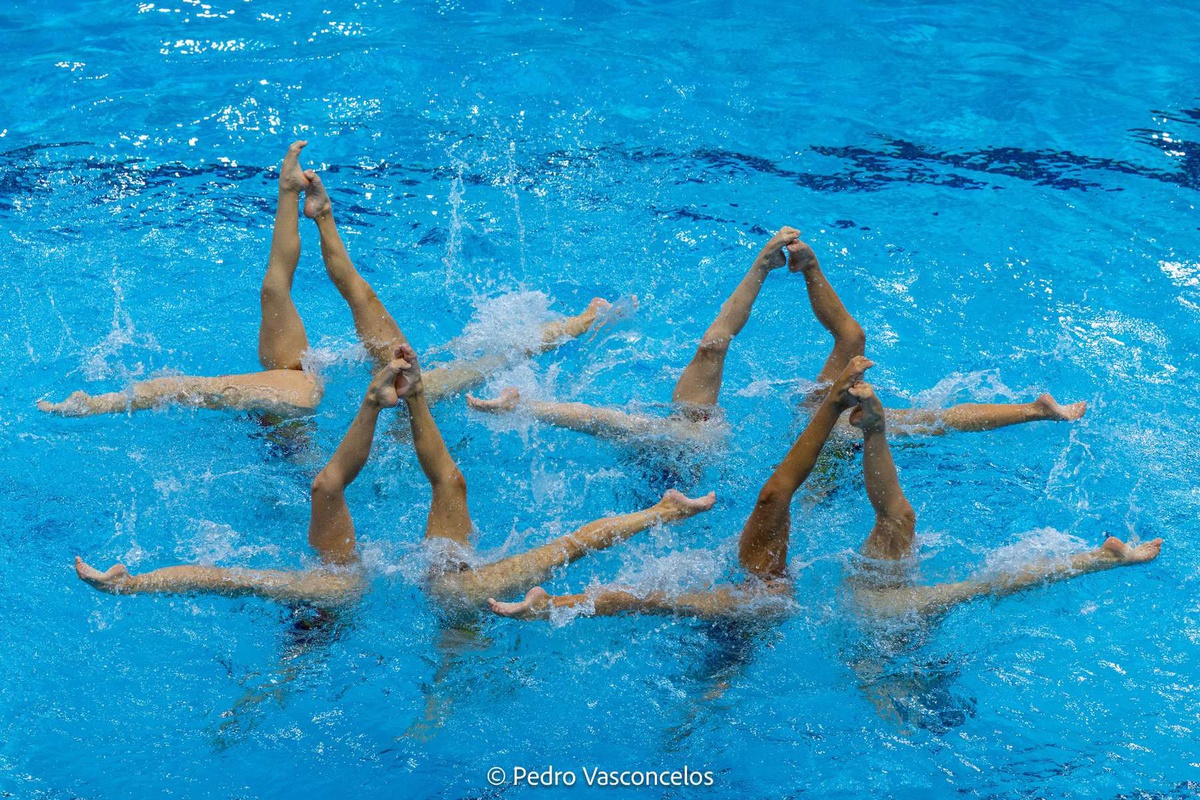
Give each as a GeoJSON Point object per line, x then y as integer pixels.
{"type": "Point", "coordinates": [699, 386]}
{"type": "Point", "coordinates": [284, 387]}
{"type": "Point", "coordinates": [763, 545]}
{"type": "Point", "coordinates": [338, 578]}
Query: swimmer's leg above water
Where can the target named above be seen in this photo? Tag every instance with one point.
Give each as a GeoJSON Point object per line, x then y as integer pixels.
{"type": "Point", "coordinates": [892, 539]}
{"type": "Point", "coordinates": [849, 341]}
{"type": "Point", "coordinates": [330, 531]}
{"type": "Point", "coordinates": [762, 547]}
{"type": "Point", "coordinates": [450, 518]}
{"type": "Point", "coordinates": [700, 384]}
{"type": "Point", "coordinates": [283, 388]}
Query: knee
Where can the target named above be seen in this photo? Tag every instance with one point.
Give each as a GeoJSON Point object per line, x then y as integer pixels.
{"type": "Point", "coordinates": [851, 336]}
{"type": "Point", "coordinates": [715, 344]}
{"type": "Point", "coordinates": [326, 485]}
{"type": "Point", "coordinates": [773, 495]}
{"type": "Point", "coordinates": [904, 519]}
{"type": "Point", "coordinates": [451, 481]}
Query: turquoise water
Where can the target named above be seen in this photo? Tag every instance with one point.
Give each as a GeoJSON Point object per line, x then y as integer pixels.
{"type": "Point", "coordinates": [1004, 197]}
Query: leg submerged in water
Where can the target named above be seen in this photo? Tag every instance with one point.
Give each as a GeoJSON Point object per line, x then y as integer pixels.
{"type": "Point", "coordinates": [608, 423]}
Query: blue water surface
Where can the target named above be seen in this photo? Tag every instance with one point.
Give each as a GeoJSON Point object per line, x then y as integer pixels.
{"type": "Point", "coordinates": [1003, 194]}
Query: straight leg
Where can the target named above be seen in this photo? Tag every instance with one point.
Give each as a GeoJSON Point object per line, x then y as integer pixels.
{"type": "Point", "coordinates": [848, 337]}
{"type": "Point", "coordinates": [762, 548]}
{"type": "Point", "coordinates": [893, 537]}
{"type": "Point", "coordinates": [980, 416]}
{"type": "Point", "coordinates": [700, 383]}
{"type": "Point", "coordinates": [524, 570]}
{"type": "Point", "coordinates": [376, 329]}
{"type": "Point", "coordinates": [281, 337]}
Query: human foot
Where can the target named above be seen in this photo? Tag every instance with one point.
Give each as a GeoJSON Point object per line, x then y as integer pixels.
{"type": "Point", "coordinates": [771, 256]}
{"type": "Point", "coordinates": [868, 415]}
{"type": "Point", "coordinates": [113, 580]}
{"type": "Point", "coordinates": [507, 401]}
{"type": "Point", "coordinates": [1139, 554]}
{"type": "Point", "coordinates": [679, 506]}
{"type": "Point", "coordinates": [1052, 409]}
{"type": "Point", "coordinates": [384, 391]}
{"type": "Point", "coordinates": [852, 374]}
{"type": "Point", "coordinates": [78, 404]}
{"type": "Point", "coordinates": [408, 382]}
{"type": "Point", "coordinates": [316, 199]}
{"type": "Point", "coordinates": [599, 313]}
{"type": "Point", "coordinates": [800, 257]}
{"type": "Point", "coordinates": [291, 177]}
{"type": "Point", "coordinates": [535, 604]}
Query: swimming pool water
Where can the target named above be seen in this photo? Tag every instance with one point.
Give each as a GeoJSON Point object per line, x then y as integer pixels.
{"type": "Point", "coordinates": [1003, 196]}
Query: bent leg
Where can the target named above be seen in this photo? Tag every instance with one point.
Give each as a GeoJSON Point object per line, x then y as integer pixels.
{"type": "Point", "coordinates": [700, 383]}
{"type": "Point", "coordinates": [973, 417]}
{"type": "Point", "coordinates": [762, 548]}
{"type": "Point", "coordinates": [527, 569]}
{"type": "Point", "coordinates": [893, 537]}
{"type": "Point", "coordinates": [376, 329]}
{"type": "Point", "coordinates": [848, 337]}
{"type": "Point", "coordinates": [281, 337]}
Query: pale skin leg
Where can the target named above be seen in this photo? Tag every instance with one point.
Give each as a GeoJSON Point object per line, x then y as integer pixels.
{"type": "Point", "coordinates": [330, 532]}
{"type": "Point", "coordinates": [980, 416]}
{"type": "Point", "coordinates": [762, 548]}
{"type": "Point", "coordinates": [607, 423]}
{"type": "Point", "coordinates": [283, 388]}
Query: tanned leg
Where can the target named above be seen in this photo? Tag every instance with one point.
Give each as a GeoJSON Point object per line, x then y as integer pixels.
{"type": "Point", "coordinates": [376, 329]}
{"type": "Point", "coordinates": [281, 337]}
{"type": "Point", "coordinates": [330, 529]}
{"type": "Point", "coordinates": [700, 382]}
{"type": "Point", "coordinates": [848, 337]}
{"type": "Point", "coordinates": [893, 538]}
{"type": "Point", "coordinates": [524, 570]}
{"type": "Point", "coordinates": [980, 416]}
{"type": "Point", "coordinates": [762, 549]}
{"type": "Point", "coordinates": [448, 514]}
